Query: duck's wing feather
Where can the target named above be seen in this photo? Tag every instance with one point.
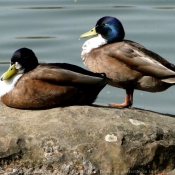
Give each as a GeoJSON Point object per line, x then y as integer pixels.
{"type": "Point", "coordinates": [152, 55]}
{"type": "Point", "coordinates": [140, 59]}
{"type": "Point", "coordinates": [56, 74]}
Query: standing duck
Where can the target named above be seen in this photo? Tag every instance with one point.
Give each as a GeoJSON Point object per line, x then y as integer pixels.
{"type": "Point", "coordinates": [128, 64]}
{"type": "Point", "coordinates": [30, 85]}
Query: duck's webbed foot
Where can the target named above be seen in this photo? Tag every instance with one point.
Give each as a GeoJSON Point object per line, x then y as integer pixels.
{"type": "Point", "coordinates": [128, 100]}
{"type": "Point", "coordinates": [122, 105]}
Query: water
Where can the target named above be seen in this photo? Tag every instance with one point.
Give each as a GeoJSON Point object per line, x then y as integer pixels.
{"type": "Point", "coordinates": [51, 28]}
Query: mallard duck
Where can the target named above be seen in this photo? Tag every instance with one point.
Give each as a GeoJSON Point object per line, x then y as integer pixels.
{"type": "Point", "coordinates": [28, 84]}
{"type": "Point", "coordinates": [128, 64]}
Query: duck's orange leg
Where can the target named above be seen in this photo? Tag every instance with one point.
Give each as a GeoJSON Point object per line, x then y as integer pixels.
{"type": "Point", "coordinates": [128, 100]}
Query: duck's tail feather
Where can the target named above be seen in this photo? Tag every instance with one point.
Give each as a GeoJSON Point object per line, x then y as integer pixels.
{"type": "Point", "coordinates": [169, 80]}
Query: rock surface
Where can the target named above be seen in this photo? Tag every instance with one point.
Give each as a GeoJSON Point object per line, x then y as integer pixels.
{"type": "Point", "coordinates": [86, 140]}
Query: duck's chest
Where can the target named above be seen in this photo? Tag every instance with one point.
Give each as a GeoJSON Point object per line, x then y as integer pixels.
{"type": "Point", "coordinates": [95, 61]}
{"type": "Point", "coordinates": [98, 60]}
{"type": "Point", "coordinates": [90, 50]}
{"type": "Point", "coordinates": [8, 85]}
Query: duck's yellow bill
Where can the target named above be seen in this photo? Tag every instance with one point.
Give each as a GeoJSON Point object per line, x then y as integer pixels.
{"type": "Point", "coordinates": [89, 33]}
{"type": "Point", "coordinates": [10, 72]}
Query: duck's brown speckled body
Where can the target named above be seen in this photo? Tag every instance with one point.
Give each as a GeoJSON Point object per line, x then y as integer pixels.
{"type": "Point", "coordinates": [48, 85]}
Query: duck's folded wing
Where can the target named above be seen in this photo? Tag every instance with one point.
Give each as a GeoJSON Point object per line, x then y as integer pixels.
{"type": "Point", "coordinates": [140, 61]}
{"type": "Point", "coordinates": [77, 69]}
{"type": "Point", "coordinates": [61, 76]}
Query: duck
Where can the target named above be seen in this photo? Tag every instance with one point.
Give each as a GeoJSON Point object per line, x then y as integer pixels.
{"type": "Point", "coordinates": [28, 84]}
{"type": "Point", "coordinates": [128, 64]}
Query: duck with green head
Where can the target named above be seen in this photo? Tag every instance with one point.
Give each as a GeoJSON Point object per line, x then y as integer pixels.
{"type": "Point", "coordinates": [128, 64]}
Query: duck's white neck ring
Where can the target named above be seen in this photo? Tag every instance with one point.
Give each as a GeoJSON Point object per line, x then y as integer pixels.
{"type": "Point", "coordinates": [90, 45]}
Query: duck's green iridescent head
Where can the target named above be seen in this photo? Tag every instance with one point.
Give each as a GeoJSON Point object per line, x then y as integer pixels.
{"type": "Point", "coordinates": [110, 28]}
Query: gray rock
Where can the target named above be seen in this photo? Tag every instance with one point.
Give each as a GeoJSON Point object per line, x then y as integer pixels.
{"type": "Point", "coordinates": [86, 140]}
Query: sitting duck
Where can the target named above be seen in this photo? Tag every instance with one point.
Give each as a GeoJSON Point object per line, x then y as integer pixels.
{"type": "Point", "coordinates": [128, 64]}
{"type": "Point", "coordinates": [30, 85]}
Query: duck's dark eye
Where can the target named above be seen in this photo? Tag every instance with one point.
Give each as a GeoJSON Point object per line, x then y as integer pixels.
{"type": "Point", "coordinates": [103, 24]}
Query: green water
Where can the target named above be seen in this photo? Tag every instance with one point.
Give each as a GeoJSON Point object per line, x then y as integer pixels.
{"type": "Point", "coordinates": [52, 29]}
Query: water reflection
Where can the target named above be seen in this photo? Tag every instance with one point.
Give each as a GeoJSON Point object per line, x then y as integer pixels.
{"type": "Point", "coordinates": [124, 7]}
{"type": "Point", "coordinates": [76, 7]}
{"type": "Point", "coordinates": [4, 62]}
{"type": "Point", "coordinates": [40, 8]}
{"type": "Point", "coordinates": [164, 8]}
{"type": "Point", "coordinates": [35, 37]}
